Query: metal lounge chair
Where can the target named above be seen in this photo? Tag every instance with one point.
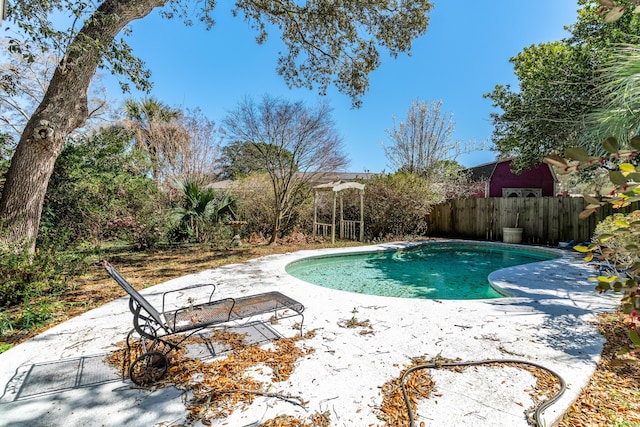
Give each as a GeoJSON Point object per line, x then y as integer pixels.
{"type": "Point", "coordinates": [154, 327]}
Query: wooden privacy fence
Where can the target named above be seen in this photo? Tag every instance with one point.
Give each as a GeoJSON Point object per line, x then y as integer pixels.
{"type": "Point", "coordinates": [544, 220]}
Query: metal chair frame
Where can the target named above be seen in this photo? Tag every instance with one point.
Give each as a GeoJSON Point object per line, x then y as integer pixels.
{"type": "Point", "coordinates": [154, 327]}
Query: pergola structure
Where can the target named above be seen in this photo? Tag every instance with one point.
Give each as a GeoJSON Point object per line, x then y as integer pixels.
{"type": "Point", "coordinates": [347, 227]}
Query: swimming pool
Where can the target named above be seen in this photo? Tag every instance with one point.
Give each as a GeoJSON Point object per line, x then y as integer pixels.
{"type": "Point", "coordinates": [435, 270]}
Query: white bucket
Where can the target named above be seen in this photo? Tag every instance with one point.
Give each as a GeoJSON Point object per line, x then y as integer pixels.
{"type": "Point", "coordinates": [512, 235]}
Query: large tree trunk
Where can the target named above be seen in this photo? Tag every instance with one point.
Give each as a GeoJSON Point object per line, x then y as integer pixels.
{"type": "Point", "coordinates": [62, 110]}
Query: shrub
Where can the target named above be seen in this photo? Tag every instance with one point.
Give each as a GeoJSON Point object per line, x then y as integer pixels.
{"type": "Point", "coordinates": [202, 214]}
{"type": "Point", "coordinates": [396, 205]}
{"type": "Point", "coordinates": [99, 190]}
{"type": "Point", "coordinates": [143, 233]}
{"type": "Point", "coordinates": [617, 240]}
{"type": "Point", "coordinates": [255, 203]}
{"type": "Point", "coordinates": [254, 195]}
{"type": "Point", "coordinates": [26, 276]}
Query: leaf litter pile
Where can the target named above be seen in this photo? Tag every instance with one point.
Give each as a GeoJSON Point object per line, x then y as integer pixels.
{"type": "Point", "coordinates": [219, 387]}
{"type": "Point", "coordinates": [612, 396]}
{"type": "Point", "coordinates": [419, 384]}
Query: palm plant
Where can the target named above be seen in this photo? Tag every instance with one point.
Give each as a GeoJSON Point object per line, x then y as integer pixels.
{"type": "Point", "coordinates": [157, 131]}
{"type": "Point", "coordinates": [200, 207]}
{"type": "Point", "coordinates": [620, 86]}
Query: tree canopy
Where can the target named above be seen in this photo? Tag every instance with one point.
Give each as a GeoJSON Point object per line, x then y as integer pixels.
{"type": "Point", "coordinates": [240, 159]}
{"type": "Point", "coordinates": [556, 90]}
{"type": "Point", "coordinates": [559, 86]}
{"type": "Point", "coordinates": [326, 43]}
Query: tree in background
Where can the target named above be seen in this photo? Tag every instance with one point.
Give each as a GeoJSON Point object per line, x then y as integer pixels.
{"type": "Point", "coordinates": [559, 86]}
{"type": "Point", "coordinates": [557, 89]}
{"type": "Point", "coordinates": [158, 131]}
{"type": "Point", "coordinates": [23, 83]}
{"type": "Point", "coordinates": [422, 140]}
{"type": "Point", "coordinates": [327, 43]}
{"type": "Point", "coordinates": [198, 156]}
{"type": "Point", "coordinates": [99, 190]}
{"type": "Point", "coordinates": [450, 180]}
{"type": "Point", "coordinates": [295, 144]}
{"type": "Point", "coordinates": [240, 159]}
{"type": "Point", "coordinates": [599, 30]}
{"type": "Point", "coordinates": [6, 148]}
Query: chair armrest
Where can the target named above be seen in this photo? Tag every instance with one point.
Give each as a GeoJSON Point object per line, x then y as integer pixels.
{"type": "Point", "coordinates": [186, 288]}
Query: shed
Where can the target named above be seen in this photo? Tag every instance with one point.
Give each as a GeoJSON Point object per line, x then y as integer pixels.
{"type": "Point", "coordinates": [496, 179]}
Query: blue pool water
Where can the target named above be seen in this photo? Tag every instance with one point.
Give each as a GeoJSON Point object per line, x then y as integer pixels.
{"type": "Point", "coordinates": [430, 271]}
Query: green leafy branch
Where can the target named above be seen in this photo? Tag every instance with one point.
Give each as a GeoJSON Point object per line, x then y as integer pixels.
{"type": "Point", "coordinates": [613, 12]}
{"type": "Point", "coordinates": [618, 250]}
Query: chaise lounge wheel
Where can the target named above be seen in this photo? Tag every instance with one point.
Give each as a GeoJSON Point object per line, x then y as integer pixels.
{"type": "Point", "coordinates": [148, 368]}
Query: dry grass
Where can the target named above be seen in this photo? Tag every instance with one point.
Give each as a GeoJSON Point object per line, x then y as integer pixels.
{"type": "Point", "coordinates": [612, 398]}
{"type": "Point", "coordinates": [142, 270]}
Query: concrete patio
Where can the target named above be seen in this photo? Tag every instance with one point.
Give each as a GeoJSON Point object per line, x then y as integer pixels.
{"type": "Point", "coordinates": [59, 377]}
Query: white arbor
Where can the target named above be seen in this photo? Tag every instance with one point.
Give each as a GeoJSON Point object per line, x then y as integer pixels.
{"type": "Point", "coordinates": [347, 227]}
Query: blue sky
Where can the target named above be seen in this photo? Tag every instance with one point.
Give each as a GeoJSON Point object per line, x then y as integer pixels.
{"type": "Point", "coordinates": [463, 55]}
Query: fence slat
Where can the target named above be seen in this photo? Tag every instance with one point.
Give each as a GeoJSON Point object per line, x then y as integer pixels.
{"type": "Point", "coordinates": [545, 220]}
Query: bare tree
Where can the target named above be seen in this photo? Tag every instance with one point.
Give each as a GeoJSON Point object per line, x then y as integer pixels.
{"type": "Point", "coordinates": [158, 131]}
{"type": "Point", "coordinates": [196, 159]}
{"type": "Point", "coordinates": [423, 139]}
{"type": "Point", "coordinates": [450, 180]}
{"type": "Point", "coordinates": [295, 143]}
